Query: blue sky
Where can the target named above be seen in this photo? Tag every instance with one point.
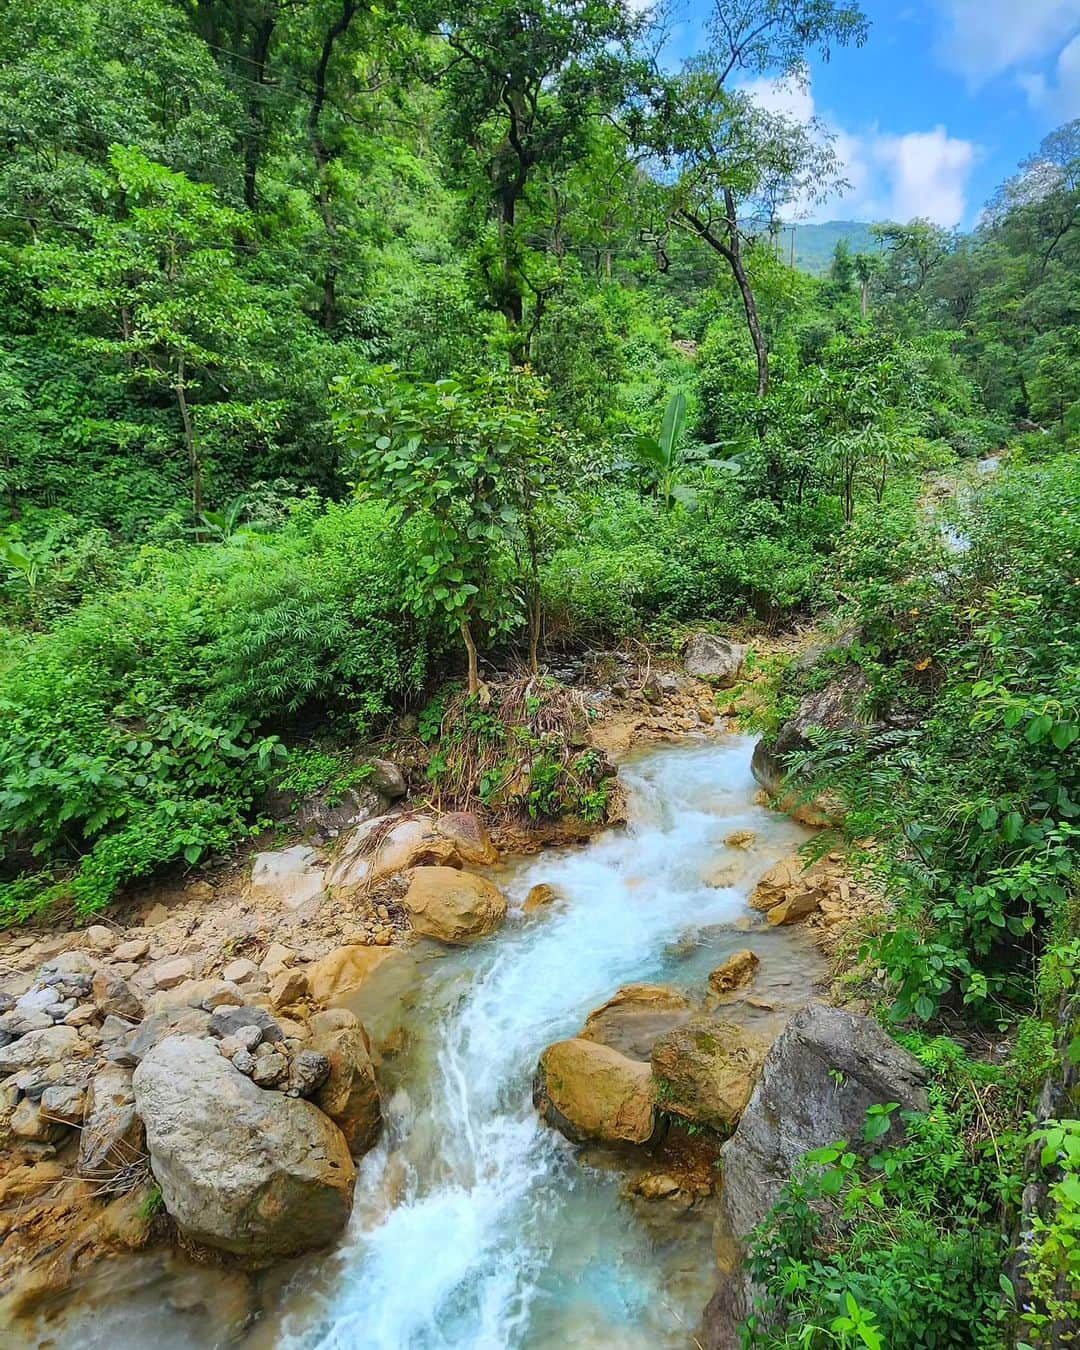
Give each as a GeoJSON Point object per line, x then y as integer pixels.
{"type": "Point", "coordinates": [939, 106]}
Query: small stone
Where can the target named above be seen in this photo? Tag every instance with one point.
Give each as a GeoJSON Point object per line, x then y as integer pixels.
{"type": "Point", "coordinates": [236, 972]}
{"type": "Point", "coordinates": [799, 905]}
{"type": "Point", "coordinates": [539, 897]}
{"type": "Point", "coordinates": [200, 891]}
{"type": "Point", "coordinates": [270, 1069]}
{"type": "Point", "coordinates": [277, 959]}
{"type": "Point", "coordinates": [228, 1021]}
{"type": "Point", "coordinates": [72, 963]}
{"type": "Point", "coordinates": [40, 1047]}
{"type": "Point", "coordinates": [81, 1015]}
{"type": "Point", "coordinates": [38, 999]}
{"type": "Point", "coordinates": [64, 1103]}
{"type": "Point", "coordinates": [244, 1038]}
{"type": "Point", "coordinates": [134, 950]}
{"type": "Point", "coordinates": [99, 937]}
{"type": "Point", "coordinates": [244, 1061]}
{"type": "Point", "coordinates": [29, 1121]}
{"type": "Point", "coordinates": [740, 838]}
{"type": "Point", "coordinates": [222, 994]}
{"type": "Point", "coordinates": [384, 937]}
{"type": "Point", "coordinates": [114, 995]}
{"type": "Point", "coordinates": [655, 1186]}
{"type": "Point", "coordinates": [168, 974]}
{"type": "Point", "coordinates": [155, 916]}
{"type": "Point", "coordinates": [737, 970]}
{"type": "Point", "coordinates": [17, 1023]}
{"type": "Point", "coordinates": [382, 912]}
{"type": "Point", "coordinates": [287, 988]}
{"type": "Point", "coordinates": [308, 1072]}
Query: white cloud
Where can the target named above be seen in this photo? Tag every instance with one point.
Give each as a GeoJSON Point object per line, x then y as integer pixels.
{"type": "Point", "coordinates": [984, 38]}
{"type": "Point", "coordinates": [890, 176]}
{"type": "Point", "coordinates": [1058, 96]}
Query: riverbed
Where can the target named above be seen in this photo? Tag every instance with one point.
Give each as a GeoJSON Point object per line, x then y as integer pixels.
{"type": "Point", "coordinates": [475, 1226]}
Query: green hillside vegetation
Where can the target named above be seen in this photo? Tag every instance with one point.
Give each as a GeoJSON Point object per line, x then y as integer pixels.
{"type": "Point", "coordinates": [348, 352]}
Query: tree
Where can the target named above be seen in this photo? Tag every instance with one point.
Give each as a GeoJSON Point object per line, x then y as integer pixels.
{"type": "Point", "coordinates": [465, 462]}
{"type": "Point", "coordinates": [734, 165]}
{"type": "Point", "coordinates": [523, 84]}
{"type": "Point", "coordinates": [160, 282]}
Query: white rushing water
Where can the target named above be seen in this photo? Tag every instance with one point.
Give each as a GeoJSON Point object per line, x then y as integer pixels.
{"type": "Point", "coordinates": [475, 1226]}
{"type": "Point", "coordinates": [498, 1238]}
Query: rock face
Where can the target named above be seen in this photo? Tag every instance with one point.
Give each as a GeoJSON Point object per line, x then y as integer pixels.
{"type": "Point", "coordinates": [290, 877]}
{"type": "Point", "coordinates": [635, 1018]}
{"type": "Point", "coordinates": [705, 1072]}
{"type": "Point", "coordinates": [255, 1173]}
{"type": "Point", "coordinates": [836, 708]}
{"type": "Point", "coordinates": [709, 657]}
{"type": "Point", "coordinates": [453, 906]}
{"type": "Point", "coordinates": [822, 1074]}
{"type": "Point", "coordinates": [590, 1092]}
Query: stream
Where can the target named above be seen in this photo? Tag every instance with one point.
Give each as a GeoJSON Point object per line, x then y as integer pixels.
{"type": "Point", "coordinates": [475, 1226]}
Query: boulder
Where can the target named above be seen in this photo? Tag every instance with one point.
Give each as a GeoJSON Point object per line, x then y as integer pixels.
{"type": "Point", "coordinates": [589, 1092]}
{"type": "Point", "coordinates": [836, 707]}
{"type": "Point", "coordinates": [705, 1071]}
{"type": "Point", "coordinates": [387, 779]}
{"type": "Point", "coordinates": [469, 837]}
{"type": "Point", "coordinates": [259, 1174]}
{"type": "Point", "coordinates": [713, 658]}
{"type": "Point", "coordinates": [112, 1137]}
{"type": "Point", "coordinates": [453, 906]}
{"type": "Point", "coordinates": [381, 847]}
{"type": "Point", "coordinates": [289, 877]}
{"type": "Point", "coordinates": [349, 1094]}
{"type": "Point", "coordinates": [822, 1074]}
{"type": "Point", "coordinates": [344, 970]}
{"type": "Point", "coordinates": [635, 1018]}
{"type": "Point", "coordinates": [739, 969]}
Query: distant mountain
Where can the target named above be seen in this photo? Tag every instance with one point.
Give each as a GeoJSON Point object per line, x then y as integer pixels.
{"type": "Point", "coordinates": [814, 244]}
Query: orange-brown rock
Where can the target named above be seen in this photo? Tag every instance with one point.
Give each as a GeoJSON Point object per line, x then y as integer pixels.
{"type": "Point", "coordinates": [739, 969]}
{"type": "Point", "coordinates": [705, 1071]}
{"type": "Point", "coordinates": [453, 906]}
{"type": "Point", "coordinates": [590, 1092]}
{"type": "Point", "coordinates": [635, 1018]}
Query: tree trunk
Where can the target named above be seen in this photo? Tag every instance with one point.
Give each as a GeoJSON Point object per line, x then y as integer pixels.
{"type": "Point", "coordinates": [474, 665]}
{"type": "Point", "coordinates": [512, 299]}
{"type": "Point", "coordinates": [323, 157]}
{"type": "Point", "coordinates": [253, 148]}
{"type": "Point", "coordinates": [864, 299]}
{"type": "Point", "coordinates": [742, 280]}
{"type": "Point", "coordinates": [194, 458]}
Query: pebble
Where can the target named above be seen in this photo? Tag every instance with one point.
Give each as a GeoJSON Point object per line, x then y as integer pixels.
{"type": "Point", "coordinates": [133, 950]}
{"type": "Point", "coordinates": [239, 970]}
{"type": "Point", "coordinates": [270, 1069]}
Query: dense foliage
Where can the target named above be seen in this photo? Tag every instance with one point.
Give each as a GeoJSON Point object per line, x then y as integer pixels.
{"type": "Point", "coordinates": [346, 349]}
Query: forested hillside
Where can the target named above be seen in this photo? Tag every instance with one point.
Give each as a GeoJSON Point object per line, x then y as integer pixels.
{"type": "Point", "coordinates": [349, 352]}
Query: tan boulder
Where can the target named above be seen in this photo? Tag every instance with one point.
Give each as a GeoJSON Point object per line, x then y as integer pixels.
{"type": "Point", "coordinates": [739, 969]}
{"type": "Point", "coordinates": [777, 881]}
{"type": "Point", "coordinates": [350, 1094]}
{"type": "Point", "coordinates": [539, 897]}
{"type": "Point", "coordinates": [453, 906]}
{"type": "Point", "coordinates": [798, 905]}
{"type": "Point", "coordinates": [705, 1071]}
{"type": "Point", "coordinates": [341, 971]}
{"type": "Point", "coordinates": [469, 837]}
{"type": "Point", "coordinates": [635, 1018]}
{"type": "Point", "coordinates": [590, 1092]}
{"type": "Point", "coordinates": [379, 848]}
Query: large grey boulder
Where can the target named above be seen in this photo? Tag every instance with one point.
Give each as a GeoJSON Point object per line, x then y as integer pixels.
{"type": "Point", "coordinates": [822, 1074]}
{"type": "Point", "coordinates": [713, 658]}
{"type": "Point", "coordinates": [243, 1170]}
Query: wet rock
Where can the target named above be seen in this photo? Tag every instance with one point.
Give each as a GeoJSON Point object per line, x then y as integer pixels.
{"type": "Point", "coordinates": [229, 1021]}
{"type": "Point", "coordinates": [290, 877]}
{"type": "Point", "coordinates": [655, 1186]}
{"type": "Point", "coordinates": [590, 1092]}
{"type": "Point", "coordinates": [540, 897]}
{"type": "Point", "coordinates": [738, 970]}
{"type": "Point", "coordinates": [350, 1094]}
{"type": "Point", "coordinates": [705, 1071]}
{"type": "Point", "coordinates": [452, 906]}
{"type": "Point", "coordinates": [823, 1073]}
{"type": "Point", "coordinates": [713, 658]}
{"type": "Point", "coordinates": [114, 995]}
{"type": "Point", "coordinates": [258, 1174]}
{"type": "Point", "coordinates": [635, 1018]}
{"type": "Point", "coordinates": [112, 1138]}
{"type": "Point", "coordinates": [342, 971]}
{"type": "Point", "coordinates": [741, 839]}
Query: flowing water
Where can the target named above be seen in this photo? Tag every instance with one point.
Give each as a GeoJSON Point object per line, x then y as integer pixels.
{"type": "Point", "coordinates": [475, 1226]}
